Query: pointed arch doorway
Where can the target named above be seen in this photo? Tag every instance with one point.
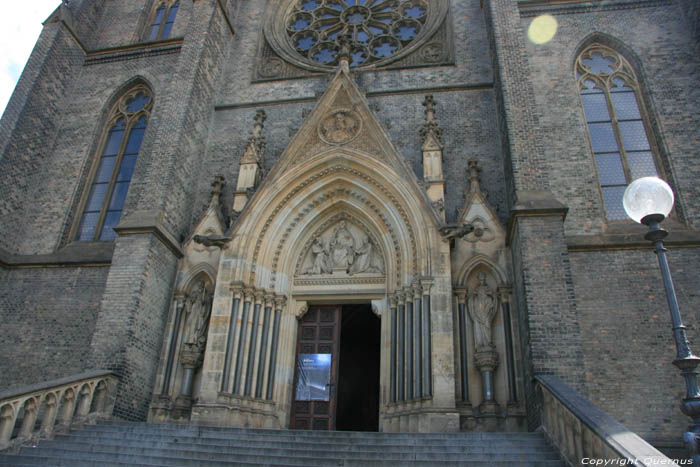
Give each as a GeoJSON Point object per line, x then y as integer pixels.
{"type": "Point", "coordinates": [336, 378]}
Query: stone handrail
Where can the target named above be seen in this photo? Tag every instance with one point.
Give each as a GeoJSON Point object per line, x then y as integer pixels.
{"type": "Point", "coordinates": [585, 435]}
{"type": "Point", "coordinates": [55, 406]}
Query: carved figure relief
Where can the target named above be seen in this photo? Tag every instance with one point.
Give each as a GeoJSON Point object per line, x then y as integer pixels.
{"type": "Point", "coordinates": [482, 304]}
{"type": "Point", "coordinates": [340, 127]}
{"type": "Point", "coordinates": [343, 249]}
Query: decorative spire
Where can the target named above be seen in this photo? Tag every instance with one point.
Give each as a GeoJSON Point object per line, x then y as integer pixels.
{"type": "Point", "coordinates": [255, 150]}
{"type": "Point", "coordinates": [474, 170]}
{"type": "Point", "coordinates": [431, 127]}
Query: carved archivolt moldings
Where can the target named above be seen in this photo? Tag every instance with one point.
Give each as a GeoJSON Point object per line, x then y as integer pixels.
{"type": "Point", "coordinates": [355, 173]}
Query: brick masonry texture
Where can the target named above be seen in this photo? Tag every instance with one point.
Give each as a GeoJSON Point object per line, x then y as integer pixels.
{"type": "Point", "coordinates": [595, 318]}
{"type": "Point", "coordinates": [626, 333]}
{"type": "Point", "coordinates": [659, 40]}
{"type": "Point", "coordinates": [48, 318]}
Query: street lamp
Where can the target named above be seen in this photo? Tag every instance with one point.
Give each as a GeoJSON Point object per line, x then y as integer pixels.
{"type": "Point", "coordinates": [648, 201]}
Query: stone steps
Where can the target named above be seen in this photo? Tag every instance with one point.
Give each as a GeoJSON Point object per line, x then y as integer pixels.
{"type": "Point", "coordinates": [139, 444]}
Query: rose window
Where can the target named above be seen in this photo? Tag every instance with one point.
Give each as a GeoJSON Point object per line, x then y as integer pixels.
{"type": "Point", "coordinates": [377, 30]}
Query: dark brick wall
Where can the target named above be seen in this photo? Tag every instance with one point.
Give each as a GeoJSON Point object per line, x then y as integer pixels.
{"type": "Point", "coordinates": [626, 332]}
{"type": "Point", "coordinates": [656, 39]}
{"type": "Point", "coordinates": [128, 22]}
{"type": "Point", "coordinates": [129, 329]}
{"type": "Point", "coordinates": [548, 316]}
{"type": "Point", "coordinates": [28, 131]}
{"type": "Point", "coordinates": [48, 317]}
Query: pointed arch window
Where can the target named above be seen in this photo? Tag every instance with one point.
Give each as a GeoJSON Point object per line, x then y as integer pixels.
{"type": "Point", "coordinates": [617, 124]}
{"type": "Point", "coordinates": [163, 20]}
{"type": "Point", "coordinates": [102, 206]}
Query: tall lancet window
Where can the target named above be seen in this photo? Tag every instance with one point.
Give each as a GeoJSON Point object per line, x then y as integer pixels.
{"type": "Point", "coordinates": [617, 124]}
{"type": "Point", "coordinates": [163, 20]}
{"type": "Point", "coordinates": [102, 206]}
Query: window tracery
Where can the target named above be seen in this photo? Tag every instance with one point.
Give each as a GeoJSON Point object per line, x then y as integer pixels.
{"type": "Point", "coordinates": [376, 29]}
{"type": "Point", "coordinates": [617, 125]}
{"type": "Point", "coordinates": [104, 202]}
{"type": "Point", "coordinates": [163, 20]}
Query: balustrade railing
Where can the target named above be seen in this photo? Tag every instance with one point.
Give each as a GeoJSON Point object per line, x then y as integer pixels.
{"type": "Point", "coordinates": [585, 435]}
{"type": "Point", "coordinates": [41, 410]}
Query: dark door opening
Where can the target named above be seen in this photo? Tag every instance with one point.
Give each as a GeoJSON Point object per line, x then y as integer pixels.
{"type": "Point", "coordinates": [358, 375]}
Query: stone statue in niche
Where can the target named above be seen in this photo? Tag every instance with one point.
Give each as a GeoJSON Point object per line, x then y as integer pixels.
{"type": "Point", "coordinates": [341, 252]}
{"type": "Point", "coordinates": [482, 305]}
{"type": "Point", "coordinates": [199, 309]}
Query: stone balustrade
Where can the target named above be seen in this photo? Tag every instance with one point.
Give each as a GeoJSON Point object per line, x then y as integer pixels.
{"type": "Point", "coordinates": [41, 410]}
{"type": "Point", "coordinates": [585, 435]}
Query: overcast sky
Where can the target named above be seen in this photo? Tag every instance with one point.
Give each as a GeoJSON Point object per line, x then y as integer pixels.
{"type": "Point", "coordinates": [20, 25]}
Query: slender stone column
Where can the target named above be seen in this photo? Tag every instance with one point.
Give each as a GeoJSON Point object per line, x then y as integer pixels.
{"type": "Point", "coordinates": [408, 293]}
{"type": "Point", "coordinates": [401, 387]}
{"type": "Point", "coordinates": [461, 296]}
{"type": "Point", "coordinates": [248, 297]}
{"type": "Point", "coordinates": [279, 305]}
{"type": "Point", "coordinates": [226, 376]}
{"type": "Point", "coordinates": [172, 348]}
{"type": "Point", "coordinates": [393, 345]}
{"type": "Point", "coordinates": [504, 297]}
{"type": "Point", "coordinates": [427, 345]}
{"type": "Point", "coordinates": [264, 344]}
{"type": "Point", "coordinates": [418, 342]}
{"type": "Point", "coordinates": [249, 374]}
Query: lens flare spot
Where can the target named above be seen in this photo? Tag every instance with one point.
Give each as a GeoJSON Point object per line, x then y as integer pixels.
{"type": "Point", "coordinates": [542, 29]}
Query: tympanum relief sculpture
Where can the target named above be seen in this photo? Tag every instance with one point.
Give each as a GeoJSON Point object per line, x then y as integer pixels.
{"type": "Point", "coordinates": [343, 249]}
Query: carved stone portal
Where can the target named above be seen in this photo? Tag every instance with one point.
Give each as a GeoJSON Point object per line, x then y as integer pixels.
{"type": "Point", "coordinates": [343, 249]}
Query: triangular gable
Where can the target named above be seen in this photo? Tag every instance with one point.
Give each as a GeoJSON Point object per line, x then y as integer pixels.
{"type": "Point", "coordinates": [342, 119]}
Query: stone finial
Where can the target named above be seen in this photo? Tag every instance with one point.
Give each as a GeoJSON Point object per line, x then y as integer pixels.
{"type": "Point", "coordinates": [473, 171]}
{"type": "Point", "coordinates": [344, 56]}
{"type": "Point", "coordinates": [431, 125]}
{"type": "Point", "coordinates": [217, 187]}
{"type": "Point", "coordinates": [256, 144]}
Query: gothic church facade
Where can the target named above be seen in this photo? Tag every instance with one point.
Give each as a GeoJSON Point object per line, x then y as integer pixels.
{"type": "Point", "coordinates": [352, 214]}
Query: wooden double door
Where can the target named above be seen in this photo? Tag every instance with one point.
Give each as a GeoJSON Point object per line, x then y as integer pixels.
{"type": "Point", "coordinates": [316, 369]}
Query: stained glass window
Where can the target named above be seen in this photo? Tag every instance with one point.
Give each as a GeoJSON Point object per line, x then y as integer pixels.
{"type": "Point", "coordinates": [163, 20]}
{"type": "Point", "coordinates": [110, 184]}
{"type": "Point", "coordinates": [616, 126]}
{"type": "Point", "coordinates": [376, 29]}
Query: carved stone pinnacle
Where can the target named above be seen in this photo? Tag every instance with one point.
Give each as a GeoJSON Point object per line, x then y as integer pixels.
{"type": "Point", "coordinates": [474, 170]}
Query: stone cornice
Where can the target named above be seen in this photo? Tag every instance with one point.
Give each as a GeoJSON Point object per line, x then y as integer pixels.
{"type": "Point", "coordinates": [149, 222]}
{"type": "Point", "coordinates": [529, 8]}
{"type": "Point", "coordinates": [534, 204]}
{"type": "Point", "coordinates": [631, 240]}
{"type": "Point", "coordinates": [133, 51]}
{"type": "Point", "coordinates": [83, 254]}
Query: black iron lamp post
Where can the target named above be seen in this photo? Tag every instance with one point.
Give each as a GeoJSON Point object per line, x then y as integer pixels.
{"type": "Point", "coordinates": [649, 200]}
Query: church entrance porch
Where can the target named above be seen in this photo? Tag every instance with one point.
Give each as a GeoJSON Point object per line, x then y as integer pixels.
{"type": "Point", "coordinates": [336, 379]}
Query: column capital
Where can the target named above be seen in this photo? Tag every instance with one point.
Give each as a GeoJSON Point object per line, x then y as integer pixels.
{"type": "Point", "coordinates": [461, 294]}
{"type": "Point", "coordinates": [504, 293]}
{"type": "Point", "coordinates": [426, 283]}
{"type": "Point", "coordinates": [280, 302]}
